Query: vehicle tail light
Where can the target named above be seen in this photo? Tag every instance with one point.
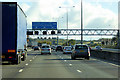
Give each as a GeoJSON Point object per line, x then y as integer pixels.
{"type": "Point", "coordinates": [10, 57]}
{"type": "Point", "coordinates": [9, 51]}
{"type": "Point", "coordinates": [48, 49]}
{"type": "Point", "coordinates": [88, 52]}
{"type": "Point", "coordinates": [42, 49]}
{"type": "Point", "coordinates": [90, 48]}
{"type": "Point", "coordinates": [75, 51]}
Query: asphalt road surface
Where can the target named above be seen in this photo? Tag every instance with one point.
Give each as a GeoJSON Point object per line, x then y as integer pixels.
{"type": "Point", "coordinates": [59, 65]}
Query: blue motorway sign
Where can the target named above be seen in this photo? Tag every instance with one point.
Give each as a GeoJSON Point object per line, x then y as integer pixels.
{"type": "Point", "coordinates": [44, 25]}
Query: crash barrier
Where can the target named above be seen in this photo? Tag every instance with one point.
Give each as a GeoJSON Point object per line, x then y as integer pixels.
{"type": "Point", "coordinates": [107, 55]}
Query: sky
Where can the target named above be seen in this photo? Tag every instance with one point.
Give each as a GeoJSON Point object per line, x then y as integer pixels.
{"type": "Point", "coordinates": [97, 14]}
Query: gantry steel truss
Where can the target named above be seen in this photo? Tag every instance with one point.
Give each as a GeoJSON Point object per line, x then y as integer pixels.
{"type": "Point", "coordinates": [76, 32]}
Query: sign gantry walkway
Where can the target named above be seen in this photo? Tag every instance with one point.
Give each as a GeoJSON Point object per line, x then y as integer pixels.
{"type": "Point", "coordinates": [74, 32]}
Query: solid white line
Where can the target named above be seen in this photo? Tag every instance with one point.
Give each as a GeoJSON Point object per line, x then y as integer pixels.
{"type": "Point", "coordinates": [30, 60]}
{"type": "Point", "coordinates": [113, 64]}
{"type": "Point", "coordinates": [26, 64]}
{"type": "Point", "coordinates": [79, 71]}
{"type": "Point", "coordinates": [20, 70]}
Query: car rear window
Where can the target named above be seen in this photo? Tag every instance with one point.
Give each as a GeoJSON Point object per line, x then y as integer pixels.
{"type": "Point", "coordinates": [81, 47]}
{"type": "Point", "coordinates": [67, 47]}
{"type": "Point", "coordinates": [59, 47]}
{"type": "Point", "coordinates": [45, 46]}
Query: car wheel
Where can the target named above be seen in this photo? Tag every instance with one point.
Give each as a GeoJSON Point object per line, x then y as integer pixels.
{"type": "Point", "coordinates": [49, 53]}
{"type": "Point", "coordinates": [87, 58]}
{"type": "Point", "coordinates": [73, 58]}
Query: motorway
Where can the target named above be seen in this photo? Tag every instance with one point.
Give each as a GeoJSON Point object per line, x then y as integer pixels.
{"type": "Point", "coordinates": [59, 65]}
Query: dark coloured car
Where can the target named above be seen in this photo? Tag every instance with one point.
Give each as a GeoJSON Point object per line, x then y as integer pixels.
{"type": "Point", "coordinates": [59, 48]}
{"type": "Point", "coordinates": [81, 51]}
{"type": "Point", "coordinates": [36, 48]}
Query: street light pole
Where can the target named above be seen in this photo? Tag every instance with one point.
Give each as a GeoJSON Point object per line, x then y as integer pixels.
{"type": "Point", "coordinates": [81, 24]}
{"type": "Point", "coordinates": [67, 20]}
{"type": "Point", "coordinates": [67, 26]}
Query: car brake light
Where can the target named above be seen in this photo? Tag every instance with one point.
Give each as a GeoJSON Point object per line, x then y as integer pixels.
{"type": "Point", "coordinates": [11, 51]}
{"type": "Point", "coordinates": [42, 49]}
{"type": "Point", "coordinates": [48, 49]}
{"type": "Point", "coordinates": [88, 52]}
{"type": "Point", "coordinates": [75, 51]}
{"type": "Point", "coordinates": [10, 56]}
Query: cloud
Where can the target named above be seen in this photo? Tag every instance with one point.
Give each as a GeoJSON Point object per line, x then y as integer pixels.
{"type": "Point", "coordinates": [25, 7]}
{"type": "Point", "coordinates": [98, 16]}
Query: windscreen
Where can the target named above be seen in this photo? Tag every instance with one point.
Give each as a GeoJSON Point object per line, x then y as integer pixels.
{"type": "Point", "coordinates": [45, 47]}
{"type": "Point", "coordinates": [67, 48]}
{"type": "Point", "coordinates": [81, 47]}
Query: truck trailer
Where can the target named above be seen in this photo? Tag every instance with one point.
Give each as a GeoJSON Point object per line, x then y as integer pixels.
{"type": "Point", "coordinates": [14, 28]}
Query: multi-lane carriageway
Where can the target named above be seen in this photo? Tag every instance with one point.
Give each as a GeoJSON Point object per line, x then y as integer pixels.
{"type": "Point", "coordinates": [59, 65]}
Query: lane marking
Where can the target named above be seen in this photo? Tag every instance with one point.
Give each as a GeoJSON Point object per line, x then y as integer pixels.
{"type": "Point", "coordinates": [113, 64]}
{"type": "Point", "coordinates": [94, 59]}
{"type": "Point", "coordinates": [70, 64]}
{"type": "Point", "coordinates": [109, 63]}
{"type": "Point", "coordinates": [26, 64]}
{"type": "Point", "coordinates": [30, 60]}
{"type": "Point", "coordinates": [79, 71]}
{"type": "Point", "coordinates": [65, 60]}
{"type": "Point", "coordinates": [20, 70]}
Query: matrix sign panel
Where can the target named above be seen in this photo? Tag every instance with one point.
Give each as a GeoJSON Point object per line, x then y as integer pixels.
{"type": "Point", "coordinates": [44, 25]}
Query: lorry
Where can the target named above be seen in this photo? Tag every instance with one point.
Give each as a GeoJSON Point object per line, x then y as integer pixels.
{"type": "Point", "coordinates": [14, 28]}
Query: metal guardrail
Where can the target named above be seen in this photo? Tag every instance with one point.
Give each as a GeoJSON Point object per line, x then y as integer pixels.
{"type": "Point", "coordinates": [107, 55]}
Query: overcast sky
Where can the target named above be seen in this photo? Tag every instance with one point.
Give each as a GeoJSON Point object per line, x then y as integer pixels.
{"type": "Point", "coordinates": [100, 14]}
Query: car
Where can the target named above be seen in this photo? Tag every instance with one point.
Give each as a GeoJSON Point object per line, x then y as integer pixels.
{"type": "Point", "coordinates": [59, 48]}
{"type": "Point", "coordinates": [80, 51]}
{"type": "Point", "coordinates": [67, 49]}
{"type": "Point", "coordinates": [36, 48]}
{"type": "Point", "coordinates": [53, 47]}
{"type": "Point", "coordinates": [45, 49]}
{"type": "Point", "coordinates": [98, 48]}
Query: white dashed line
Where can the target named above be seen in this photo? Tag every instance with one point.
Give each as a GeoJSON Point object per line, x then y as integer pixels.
{"type": "Point", "coordinates": [79, 71]}
{"type": "Point", "coordinates": [65, 60]}
{"type": "Point", "coordinates": [26, 64]}
{"type": "Point", "coordinates": [20, 70]}
{"type": "Point", "coordinates": [30, 60]}
{"type": "Point", "coordinates": [113, 64]}
{"type": "Point", "coordinates": [70, 64]}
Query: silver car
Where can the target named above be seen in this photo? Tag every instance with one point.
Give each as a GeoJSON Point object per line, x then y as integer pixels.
{"type": "Point", "coordinates": [67, 49]}
{"type": "Point", "coordinates": [80, 51]}
{"type": "Point", "coordinates": [98, 48]}
{"type": "Point", "coordinates": [46, 49]}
